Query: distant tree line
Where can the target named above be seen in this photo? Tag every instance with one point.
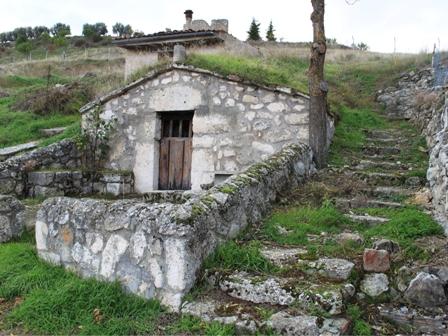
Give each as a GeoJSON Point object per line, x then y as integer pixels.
{"type": "Point", "coordinates": [26, 39]}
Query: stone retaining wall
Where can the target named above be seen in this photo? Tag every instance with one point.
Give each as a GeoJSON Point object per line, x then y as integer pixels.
{"type": "Point", "coordinates": [12, 218]}
{"type": "Point", "coordinates": [415, 97]}
{"type": "Point", "coordinates": [156, 250]}
{"type": "Point", "coordinates": [13, 172]}
{"type": "Point", "coordinates": [76, 182]}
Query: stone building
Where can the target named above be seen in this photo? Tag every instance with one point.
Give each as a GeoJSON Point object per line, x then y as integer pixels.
{"type": "Point", "coordinates": [196, 35]}
{"type": "Point", "coordinates": [182, 128]}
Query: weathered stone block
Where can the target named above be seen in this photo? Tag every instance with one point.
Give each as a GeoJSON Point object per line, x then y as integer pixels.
{"type": "Point", "coordinates": [12, 218]}
{"type": "Point", "coordinates": [376, 260]}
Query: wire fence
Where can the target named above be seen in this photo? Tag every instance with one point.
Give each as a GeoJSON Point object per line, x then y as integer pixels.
{"type": "Point", "coordinates": [69, 54]}
{"type": "Point", "coordinates": [440, 66]}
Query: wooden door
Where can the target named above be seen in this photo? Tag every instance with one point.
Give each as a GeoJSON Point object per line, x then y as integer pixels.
{"type": "Point", "coordinates": [175, 151]}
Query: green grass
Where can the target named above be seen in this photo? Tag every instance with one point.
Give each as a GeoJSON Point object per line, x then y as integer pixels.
{"type": "Point", "coordinates": [58, 302]}
{"type": "Point", "coordinates": [349, 136]}
{"type": "Point", "coordinates": [193, 325]}
{"type": "Point", "coordinates": [360, 327]}
{"type": "Point", "coordinates": [20, 127]}
{"type": "Point", "coordinates": [302, 221]}
{"type": "Point", "coordinates": [242, 256]}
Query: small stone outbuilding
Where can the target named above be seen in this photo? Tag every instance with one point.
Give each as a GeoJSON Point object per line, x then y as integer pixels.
{"type": "Point", "coordinates": [182, 128]}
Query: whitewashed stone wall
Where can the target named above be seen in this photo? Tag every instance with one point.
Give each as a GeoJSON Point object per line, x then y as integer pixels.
{"type": "Point", "coordinates": [235, 124]}
{"type": "Point", "coordinates": [156, 250]}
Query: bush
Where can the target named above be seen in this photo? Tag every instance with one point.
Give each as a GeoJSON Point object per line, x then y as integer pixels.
{"type": "Point", "coordinates": [61, 99]}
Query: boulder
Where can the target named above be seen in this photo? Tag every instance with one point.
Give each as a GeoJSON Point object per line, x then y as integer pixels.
{"type": "Point", "coordinates": [243, 286]}
{"type": "Point", "coordinates": [335, 269]}
{"type": "Point", "coordinates": [403, 277]}
{"type": "Point", "coordinates": [388, 245]}
{"type": "Point", "coordinates": [426, 290]}
{"type": "Point", "coordinates": [289, 325]}
{"type": "Point", "coordinates": [335, 327]}
{"type": "Point", "coordinates": [345, 237]}
{"type": "Point", "coordinates": [375, 284]}
{"type": "Point", "coordinates": [376, 260]}
{"type": "Point", "coordinates": [12, 218]}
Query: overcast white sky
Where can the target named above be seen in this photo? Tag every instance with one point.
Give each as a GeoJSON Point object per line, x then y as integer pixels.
{"type": "Point", "coordinates": [416, 24]}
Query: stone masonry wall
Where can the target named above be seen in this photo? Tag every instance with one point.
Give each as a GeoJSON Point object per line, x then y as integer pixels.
{"type": "Point", "coordinates": [76, 182]}
{"type": "Point", "coordinates": [234, 125]}
{"type": "Point", "coordinates": [416, 98]}
{"type": "Point", "coordinates": [13, 172]}
{"type": "Point", "coordinates": [156, 250]}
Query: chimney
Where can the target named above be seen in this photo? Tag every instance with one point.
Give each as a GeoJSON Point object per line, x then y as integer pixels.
{"type": "Point", "coordinates": [188, 18]}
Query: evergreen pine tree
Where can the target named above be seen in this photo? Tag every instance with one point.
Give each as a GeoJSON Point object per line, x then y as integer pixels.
{"type": "Point", "coordinates": [270, 33]}
{"type": "Point", "coordinates": [254, 31]}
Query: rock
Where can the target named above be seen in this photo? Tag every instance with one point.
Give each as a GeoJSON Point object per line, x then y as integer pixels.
{"type": "Point", "coordinates": [440, 271]}
{"type": "Point", "coordinates": [419, 322]}
{"type": "Point", "coordinates": [243, 286]}
{"type": "Point", "coordinates": [375, 284]}
{"type": "Point", "coordinates": [426, 290]}
{"type": "Point", "coordinates": [13, 150]}
{"type": "Point", "coordinates": [413, 181]}
{"type": "Point", "coordinates": [404, 276]}
{"type": "Point", "coordinates": [366, 219]}
{"type": "Point", "coordinates": [281, 256]}
{"type": "Point", "coordinates": [12, 218]}
{"type": "Point", "coordinates": [207, 311]}
{"type": "Point", "coordinates": [3, 94]}
{"type": "Point", "coordinates": [376, 260]}
{"type": "Point", "coordinates": [422, 198]}
{"type": "Point", "coordinates": [286, 324]}
{"type": "Point", "coordinates": [329, 300]}
{"type": "Point", "coordinates": [48, 132]}
{"type": "Point", "coordinates": [335, 269]}
{"type": "Point", "coordinates": [349, 237]}
{"type": "Point", "coordinates": [348, 291]}
{"type": "Point", "coordinates": [335, 327]}
{"type": "Point", "coordinates": [386, 244]}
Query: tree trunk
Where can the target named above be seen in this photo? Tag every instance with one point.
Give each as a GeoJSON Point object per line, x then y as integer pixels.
{"type": "Point", "coordinates": [318, 86]}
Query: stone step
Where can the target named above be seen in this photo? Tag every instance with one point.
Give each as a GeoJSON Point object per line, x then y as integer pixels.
{"type": "Point", "coordinates": [247, 320]}
{"type": "Point", "coordinates": [282, 256]}
{"type": "Point", "coordinates": [390, 140]}
{"type": "Point", "coordinates": [382, 134]}
{"type": "Point", "coordinates": [345, 203]}
{"type": "Point", "coordinates": [48, 132]}
{"type": "Point", "coordinates": [382, 158]}
{"type": "Point", "coordinates": [8, 152]}
{"type": "Point", "coordinates": [387, 192]}
{"type": "Point", "coordinates": [297, 291]}
{"type": "Point", "coordinates": [386, 165]}
{"type": "Point", "coordinates": [367, 219]}
{"type": "Point", "coordinates": [390, 179]}
{"type": "Point", "coordinates": [380, 150]}
{"type": "Point", "coordinates": [415, 321]}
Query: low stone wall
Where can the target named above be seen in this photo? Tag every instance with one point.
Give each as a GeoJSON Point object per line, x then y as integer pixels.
{"type": "Point", "coordinates": [416, 98]}
{"type": "Point", "coordinates": [13, 172]}
{"type": "Point", "coordinates": [12, 218]}
{"type": "Point", "coordinates": [156, 250]}
{"type": "Point", "coordinates": [76, 182]}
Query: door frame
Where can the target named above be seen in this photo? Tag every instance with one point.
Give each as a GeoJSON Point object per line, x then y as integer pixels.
{"type": "Point", "coordinates": [164, 134]}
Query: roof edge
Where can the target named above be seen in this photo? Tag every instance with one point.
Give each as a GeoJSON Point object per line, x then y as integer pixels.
{"type": "Point", "coordinates": [189, 68]}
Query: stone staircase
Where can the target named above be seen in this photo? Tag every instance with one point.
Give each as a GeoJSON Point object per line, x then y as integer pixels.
{"type": "Point", "coordinates": [310, 296]}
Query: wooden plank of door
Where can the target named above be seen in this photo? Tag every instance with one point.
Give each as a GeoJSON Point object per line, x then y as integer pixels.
{"type": "Point", "coordinates": [186, 173]}
{"type": "Point", "coordinates": [164, 163]}
{"type": "Point", "coordinates": [176, 164]}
